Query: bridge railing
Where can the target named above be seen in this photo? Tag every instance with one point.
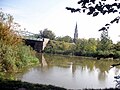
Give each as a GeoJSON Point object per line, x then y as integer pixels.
{"type": "Point", "coordinates": [28, 35]}
{"type": "Point", "coordinates": [33, 38]}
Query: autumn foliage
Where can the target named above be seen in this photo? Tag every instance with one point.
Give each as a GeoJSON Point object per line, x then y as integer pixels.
{"type": "Point", "coordinates": [14, 54]}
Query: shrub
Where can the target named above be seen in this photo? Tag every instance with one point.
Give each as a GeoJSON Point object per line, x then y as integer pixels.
{"type": "Point", "coordinates": [14, 54]}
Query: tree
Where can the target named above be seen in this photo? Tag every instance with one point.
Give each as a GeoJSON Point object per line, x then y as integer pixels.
{"type": "Point", "coordinates": [92, 45]}
{"type": "Point", "coordinates": [65, 38]}
{"type": "Point", "coordinates": [117, 46]}
{"type": "Point", "coordinates": [47, 34]}
{"type": "Point", "coordinates": [105, 45]}
{"type": "Point", "coordinates": [86, 47]}
{"type": "Point", "coordinates": [7, 27]}
{"type": "Point", "coordinates": [96, 7]}
{"type": "Point", "coordinates": [59, 47]}
{"type": "Point", "coordinates": [14, 54]}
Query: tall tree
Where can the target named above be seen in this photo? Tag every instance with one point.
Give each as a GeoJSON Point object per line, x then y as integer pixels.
{"type": "Point", "coordinates": [92, 45]}
{"type": "Point", "coordinates": [65, 38]}
{"type": "Point", "coordinates": [47, 34]}
{"type": "Point", "coordinates": [86, 47]}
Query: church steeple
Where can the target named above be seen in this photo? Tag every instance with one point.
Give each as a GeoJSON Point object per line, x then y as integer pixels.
{"type": "Point", "coordinates": [75, 34]}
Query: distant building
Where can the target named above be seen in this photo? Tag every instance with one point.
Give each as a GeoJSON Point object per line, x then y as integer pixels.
{"type": "Point", "coordinates": [75, 34]}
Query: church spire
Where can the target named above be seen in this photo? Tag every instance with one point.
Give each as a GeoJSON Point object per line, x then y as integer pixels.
{"type": "Point", "coordinates": [76, 33]}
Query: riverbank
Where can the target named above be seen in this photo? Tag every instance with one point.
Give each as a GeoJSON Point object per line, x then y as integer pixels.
{"type": "Point", "coordinates": [18, 85]}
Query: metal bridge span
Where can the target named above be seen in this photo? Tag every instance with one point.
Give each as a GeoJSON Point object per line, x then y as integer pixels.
{"type": "Point", "coordinates": [36, 42]}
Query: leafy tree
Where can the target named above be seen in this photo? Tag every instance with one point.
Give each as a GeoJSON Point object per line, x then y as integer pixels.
{"type": "Point", "coordinates": [13, 52]}
{"type": "Point", "coordinates": [105, 45]}
{"type": "Point", "coordinates": [86, 47]}
{"type": "Point", "coordinates": [65, 38]}
{"type": "Point", "coordinates": [58, 38]}
{"type": "Point", "coordinates": [59, 47]}
{"type": "Point", "coordinates": [82, 44]}
{"type": "Point", "coordinates": [47, 34]}
{"type": "Point", "coordinates": [117, 46]}
{"type": "Point", "coordinates": [7, 34]}
{"type": "Point", "coordinates": [116, 49]}
{"type": "Point", "coordinates": [92, 45]}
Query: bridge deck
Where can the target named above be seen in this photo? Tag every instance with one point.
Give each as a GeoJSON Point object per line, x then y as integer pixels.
{"type": "Point", "coordinates": [34, 40]}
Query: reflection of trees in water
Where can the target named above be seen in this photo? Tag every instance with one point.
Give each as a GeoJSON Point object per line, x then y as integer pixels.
{"type": "Point", "coordinates": [42, 68]}
{"type": "Point", "coordinates": [25, 70]}
{"type": "Point", "coordinates": [90, 65]}
{"type": "Point", "coordinates": [103, 65]}
{"type": "Point", "coordinates": [42, 59]}
{"type": "Point", "coordinates": [78, 64]}
{"type": "Point", "coordinates": [44, 63]}
{"type": "Point", "coordinates": [102, 76]}
{"type": "Point", "coordinates": [73, 68]}
{"type": "Point", "coordinates": [63, 61]}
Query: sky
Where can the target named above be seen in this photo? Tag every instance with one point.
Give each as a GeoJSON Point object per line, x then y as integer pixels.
{"type": "Point", "coordinates": [36, 15]}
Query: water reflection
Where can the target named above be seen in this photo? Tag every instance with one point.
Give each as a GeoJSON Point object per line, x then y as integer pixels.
{"type": "Point", "coordinates": [43, 61]}
{"type": "Point", "coordinates": [72, 72]}
{"type": "Point", "coordinates": [73, 68]}
{"type": "Point", "coordinates": [102, 76]}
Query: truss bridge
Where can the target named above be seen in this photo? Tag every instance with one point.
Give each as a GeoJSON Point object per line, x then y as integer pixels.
{"type": "Point", "coordinates": [34, 40]}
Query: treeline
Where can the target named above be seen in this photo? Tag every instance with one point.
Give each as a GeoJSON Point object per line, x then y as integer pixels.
{"type": "Point", "coordinates": [14, 54]}
{"type": "Point", "coordinates": [100, 48]}
{"type": "Point", "coordinates": [85, 47]}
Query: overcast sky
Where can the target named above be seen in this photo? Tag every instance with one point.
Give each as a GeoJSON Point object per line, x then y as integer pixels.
{"type": "Point", "coordinates": [36, 15]}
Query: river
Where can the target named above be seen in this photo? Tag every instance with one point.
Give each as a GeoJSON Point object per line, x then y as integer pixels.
{"type": "Point", "coordinates": [72, 72]}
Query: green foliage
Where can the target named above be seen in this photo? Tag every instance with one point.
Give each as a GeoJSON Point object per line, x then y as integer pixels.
{"type": "Point", "coordinates": [105, 44]}
{"type": "Point", "coordinates": [65, 39]}
{"type": "Point", "coordinates": [116, 46]}
{"type": "Point", "coordinates": [47, 34]}
{"type": "Point", "coordinates": [26, 55]}
{"type": "Point", "coordinates": [116, 54]}
{"type": "Point", "coordinates": [59, 47]}
{"type": "Point", "coordinates": [85, 47]}
{"type": "Point", "coordinates": [7, 57]}
{"type": "Point", "coordinates": [13, 53]}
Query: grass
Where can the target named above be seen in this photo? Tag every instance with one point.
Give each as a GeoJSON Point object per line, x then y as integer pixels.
{"type": "Point", "coordinates": [18, 85]}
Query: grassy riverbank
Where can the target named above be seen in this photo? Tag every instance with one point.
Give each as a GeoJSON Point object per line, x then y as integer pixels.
{"type": "Point", "coordinates": [18, 85]}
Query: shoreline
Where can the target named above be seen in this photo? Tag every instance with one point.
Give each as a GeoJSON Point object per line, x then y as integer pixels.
{"type": "Point", "coordinates": [19, 85]}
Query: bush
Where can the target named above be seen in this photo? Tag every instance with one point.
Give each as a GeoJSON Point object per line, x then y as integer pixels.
{"type": "Point", "coordinates": [116, 54]}
{"type": "Point", "coordinates": [14, 54]}
{"type": "Point", "coordinates": [27, 55]}
{"type": "Point", "coordinates": [7, 58]}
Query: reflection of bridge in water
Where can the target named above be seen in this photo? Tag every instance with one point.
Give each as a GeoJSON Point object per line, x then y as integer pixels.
{"type": "Point", "coordinates": [36, 42]}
